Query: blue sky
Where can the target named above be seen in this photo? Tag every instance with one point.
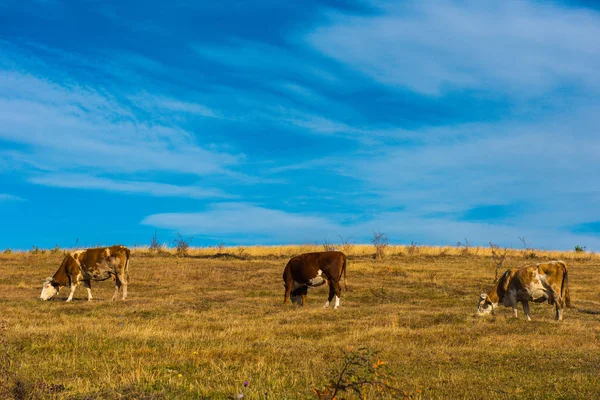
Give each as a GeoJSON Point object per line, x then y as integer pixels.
{"type": "Point", "coordinates": [268, 123]}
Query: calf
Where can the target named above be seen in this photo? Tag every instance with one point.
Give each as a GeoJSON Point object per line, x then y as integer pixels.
{"type": "Point", "coordinates": [538, 283]}
{"type": "Point", "coordinates": [84, 266]}
{"type": "Point", "coordinates": [314, 269]}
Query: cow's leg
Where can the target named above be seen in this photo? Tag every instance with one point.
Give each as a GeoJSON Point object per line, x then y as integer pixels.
{"type": "Point", "coordinates": [123, 279]}
{"type": "Point", "coordinates": [88, 286]}
{"type": "Point", "coordinates": [73, 287]}
{"type": "Point", "coordinates": [117, 287]}
{"type": "Point", "coordinates": [526, 310]}
{"type": "Point", "coordinates": [338, 293]}
{"type": "Point", "coordinates": [559, 312]}
{"type": "Point", "coordinates": [288, 291]}
{"type": "Point", "coordinates": [331, 294]}
{"type": "Point", "coordinates": [120, 281]}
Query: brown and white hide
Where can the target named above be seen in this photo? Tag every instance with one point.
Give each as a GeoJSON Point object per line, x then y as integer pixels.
{"type": "Point", "coordinates": [84, 266]}
{"type": "Point", "coordinates": [314, 269]}
{"type": "Point", "coordinates": [547, 281]}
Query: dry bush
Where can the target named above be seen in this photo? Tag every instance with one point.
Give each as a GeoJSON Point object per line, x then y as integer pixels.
{"type": "Point", "coordinates": [464, 247]}
{"type": "Point", "coordinates": [182, 244]}
{"type": "Point", "coordinates": [345, 245]}
{"type": "Point", "coordinates": [328, 246]}
{"type": "Point", "coordinates": [413, 249]}
{"type": "Point", "coordinates": [155, 245]}
{"type": "Point", "coordinates": [380, 242]}
{"type": "Point", "coordinates": [361, 373]}
{"type": "Point", "coordinates": [498, 257]}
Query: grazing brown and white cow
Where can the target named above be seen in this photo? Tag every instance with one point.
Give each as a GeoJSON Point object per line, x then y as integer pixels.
{"type": "Point", "coordinates": [541, 282]}
{"type": "Point", "coordinates": [96, 264]}
{"type": "Point", "coordinates": [314, 269]}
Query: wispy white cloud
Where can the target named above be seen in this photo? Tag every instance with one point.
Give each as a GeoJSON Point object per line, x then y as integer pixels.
{"type": "Point", "coordinates": [81, 181]}
{"type": "Point", "coordinates": [250, 222]}
{"type": "Point", "coordinates": [515, 46]}
{"type": "Point", "coordinates": [238, 223]}
{"type": "Point", "coordinates": [162, 104]}
{"type": "Point", "coordinates": [10, 197]}
{"type": "Point", "coordinates": [78, 127]}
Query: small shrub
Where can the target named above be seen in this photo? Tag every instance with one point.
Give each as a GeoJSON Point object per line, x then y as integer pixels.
{"type": "Point", "coordinates": [580, 249]}
{"type": "Point", "coordinates": [345, 245]}
{"type": "Point", "coordinates": [361, 372]}
{"type": "Point", "coordinates": [465, 247]}
{"type": "Point", "coordinates": [242, 252]}
{"type": "Point", "coordinates": [412, 249]}
{"type": "Point", "coordinates": [220, 247]}
{"type": "Point", "coordinates": [55, 250]}
{"type": "Point", "coordinates": [380, 241]}
{"type": "Point", "coordinates": [328, 246]}
{"type": "Point", "coordinates": [154, 244]}
{"type": "Point", "coordinates": [182, 244]}
{"type": "Point", "coordinates": [498, 258]}
{"type": "Point", "coordinates": [8, 251]}
{"type": "Point", "coordinates": [35, 250]}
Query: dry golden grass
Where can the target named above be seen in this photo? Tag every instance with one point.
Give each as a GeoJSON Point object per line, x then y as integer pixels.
{"type": "Point", "coordinates": [199, 326]}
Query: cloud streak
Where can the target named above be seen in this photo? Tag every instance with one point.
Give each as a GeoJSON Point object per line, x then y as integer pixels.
{"type": "Point", "coordinates": [80, 181]}
{"type": "Point", "coordinates": [10, 197]}
{"type": "Point", "coordinates": [434, 46]}
{"type": "Point", "coordinates": [78, 127]}
{"type": "Point", "coordinates": [246, 222]}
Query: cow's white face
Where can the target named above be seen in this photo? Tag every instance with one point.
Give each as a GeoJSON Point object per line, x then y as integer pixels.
{"type": "Point", "coordinates": [485, 306]}
{"type": "Point", "coordinates": [48, 290]}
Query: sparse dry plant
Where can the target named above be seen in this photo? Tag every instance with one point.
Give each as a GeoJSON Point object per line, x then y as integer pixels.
{"type": "Point", "coordinates": [155, 244]}
{"type": "Point", "coordinates": [464, 247]}
{"type": "Point", "coordinates": [328, 246]}
{"type": "Point", "coordinates": [498, 257]}
{"type": "Point", "coordinates": [182, 244]}
{"type": "Point", "coordinates": [241, 252]}
{"type": "Point", "coordinates": [361, 373]}
{"type": "Point", "coordinates": [345, 245]}
{"type": "Point", "coordinates": [413, 249]}
{"type": "Point", "coordinates": [7, 251]}
{"type": "Point", "coordinates": [380, 242]}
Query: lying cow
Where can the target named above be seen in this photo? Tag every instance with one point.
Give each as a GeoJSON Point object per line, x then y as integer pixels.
{"type": "Point", "coordinates": [84, 266]}
{"type": "Point", "coordinates": [538, 283]}
{"type": "Point", "coordinates": [314, 269]}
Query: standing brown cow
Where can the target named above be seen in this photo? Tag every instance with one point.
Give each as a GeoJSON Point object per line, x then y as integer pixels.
{"type": "Point", "coordinates": [314, 269]}
{"type": "Point", "coordinates": [84, 266]}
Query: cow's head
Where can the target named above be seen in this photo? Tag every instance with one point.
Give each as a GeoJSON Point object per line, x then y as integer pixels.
{"type": "Point", "coordinates": [485, 305]}
{"type": "Point", "coordinates": [296, 295]}
{"type": "Point", "coordinates": [50, 289]}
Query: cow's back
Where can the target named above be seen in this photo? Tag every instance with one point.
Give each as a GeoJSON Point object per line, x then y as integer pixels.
{"type": "Point", "coordinates": [101, 262]}
{"type": "Point", "coordinates": [306, 266]}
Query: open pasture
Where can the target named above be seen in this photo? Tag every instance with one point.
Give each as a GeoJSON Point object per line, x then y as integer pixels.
{"type": "Point", "coordinates": [200, 326]}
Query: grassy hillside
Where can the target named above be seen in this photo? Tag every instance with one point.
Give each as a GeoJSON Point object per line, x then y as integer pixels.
{"type": "Point", "coordinates": [200, 326]}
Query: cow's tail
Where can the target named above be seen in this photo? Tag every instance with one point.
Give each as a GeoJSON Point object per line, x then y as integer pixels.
{"type": "Point", "coordinates": [344, 272]}
{"type": "Point", "coordinates": [564, 289]}
{"type": "Point", "coordinates": [126, 271]}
